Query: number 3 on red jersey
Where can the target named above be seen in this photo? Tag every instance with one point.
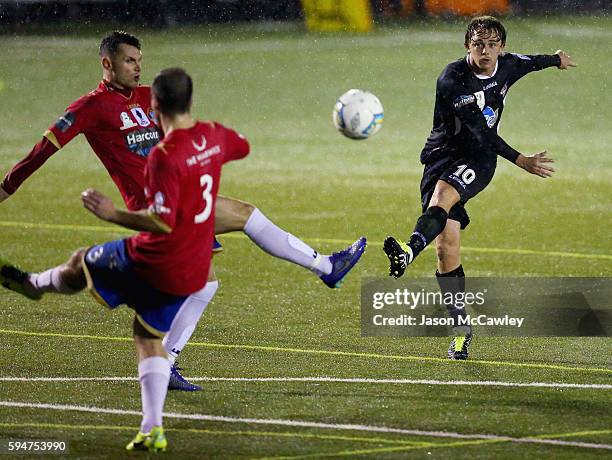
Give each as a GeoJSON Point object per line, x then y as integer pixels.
{"type": "Point", "coordinates": [206, 182]}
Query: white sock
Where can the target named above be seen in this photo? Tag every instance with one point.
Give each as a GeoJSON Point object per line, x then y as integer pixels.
{"type": "Point", "coordinates": [50, 281]}
{"type": "Point", "coordinates": [279, 243]}
{"type": "Point", "coordinates": [154, 374]}
{"type": "Point", "coordinates": [186, 319]}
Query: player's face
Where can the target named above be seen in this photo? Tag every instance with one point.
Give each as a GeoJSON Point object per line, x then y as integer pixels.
{"type": "Point", "coordinates": [484, 48]}
{"type": "Point", "coordinates": [126, 66]}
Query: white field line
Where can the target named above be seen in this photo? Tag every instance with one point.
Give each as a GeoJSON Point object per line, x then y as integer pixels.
{"type": "Point", "coordinates": [489, 383]}
{"type": "Point", "coordinates": [303, 424]}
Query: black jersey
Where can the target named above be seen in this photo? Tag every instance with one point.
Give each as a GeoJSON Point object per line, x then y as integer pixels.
{"type": "Point", "coordinates": [468, 107]}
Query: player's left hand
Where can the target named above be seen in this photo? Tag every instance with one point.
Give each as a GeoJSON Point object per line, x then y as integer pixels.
{"type": "Point", "coordinates": [538, 164]}
{"type": "Point", "coordinates": [566, 61]}
{"type": "Point", "coordinates": [100, 205]}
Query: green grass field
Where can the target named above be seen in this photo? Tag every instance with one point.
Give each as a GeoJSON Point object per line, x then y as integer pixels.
{"type": "Point", "coordinates": [271, 319]}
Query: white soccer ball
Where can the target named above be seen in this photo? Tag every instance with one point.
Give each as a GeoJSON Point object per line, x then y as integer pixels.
{"type": "Point", "coordinates": [358, 114]}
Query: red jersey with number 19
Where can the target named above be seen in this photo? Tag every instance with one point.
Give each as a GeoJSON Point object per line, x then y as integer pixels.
{"type": "Point", "coordinates": [182, 179]}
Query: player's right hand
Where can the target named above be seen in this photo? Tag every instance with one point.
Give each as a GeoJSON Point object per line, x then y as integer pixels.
{"type": "Point", "coordinates": [100, 205]}
{"type": "Point", "coordinates": [3, 195]}
{"type": "Point", "coordinates": [566, 60]}
{"type": "Point", "coordinates": [538, 164]}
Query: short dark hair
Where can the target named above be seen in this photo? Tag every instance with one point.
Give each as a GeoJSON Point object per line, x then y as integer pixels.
{"type": "Point", "coordinates": [173, 89]}
{"type": "Point", "coordinates": [110, 44]}
{"type": "Point", "coordinates": [486, 24]}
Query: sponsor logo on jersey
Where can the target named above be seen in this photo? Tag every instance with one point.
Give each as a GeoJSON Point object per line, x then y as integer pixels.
{"type": "Point", "coordinates": [204, 156]}
{"type": "Point", "coordinates": [490, 85]}
{"type": "Point", "coordinates": [200, 147]}
{"type": "Point", "coordinates": [490, 115]}
{"type": "Point", "coordinates": [142, 141]}
{"type": "Point", "coordinates": [64, 122]}
{"type": "Point", "coordinates": [158, 204]}
{"type": "Point", "coordinates": [126, 121]}
{"type": "Point", "coordinates": [480, 99]}
{"type": "Point", "coordinates": [140, 116]}
{"type": "Point", "coordinates": [464, 100]}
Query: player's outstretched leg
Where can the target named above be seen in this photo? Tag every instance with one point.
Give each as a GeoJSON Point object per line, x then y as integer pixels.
{"type": "Point", "coordinates": [343, 261]}
{"type": "Point", "coordinates": [67, 278]}
{"type": "Point", "coordinates": [233, 215]}
{"type": "Point", "coordinates": [428, 226]}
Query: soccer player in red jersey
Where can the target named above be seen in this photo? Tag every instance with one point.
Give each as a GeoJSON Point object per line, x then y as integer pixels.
{"type": "Point", "coordinates": [119, 124]}
{"type": "Point", "coordinates": [162, 270]}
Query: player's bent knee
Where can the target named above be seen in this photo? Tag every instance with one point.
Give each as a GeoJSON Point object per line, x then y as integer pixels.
{"type": "Point", "coordinates": [147, 344]}
{"type": "Point", "coordinates": [76, 259]}
{"type": "Point", "coordinates": [444, 196]}
{"type": "Point", "coordinates": [140, 332]}
{"type": "Point", "coordinates": [231, 215]}
{"type": "Point", "coordinates": [244, 211]}
{"type": "Point", "coordinates": [72, 271]}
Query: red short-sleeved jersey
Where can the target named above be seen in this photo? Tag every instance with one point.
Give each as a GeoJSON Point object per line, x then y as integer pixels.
{"type": "Point", "coordinates": [120, 128]}
{"type": "Point", "coordinates": [182, 179]}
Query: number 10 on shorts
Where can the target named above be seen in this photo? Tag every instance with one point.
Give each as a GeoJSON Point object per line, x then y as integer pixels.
{"type": "Point", "coordinates": [467, 175]}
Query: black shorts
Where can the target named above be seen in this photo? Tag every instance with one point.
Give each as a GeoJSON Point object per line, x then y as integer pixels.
{"type": "Point", "coordinates": [469, 176]}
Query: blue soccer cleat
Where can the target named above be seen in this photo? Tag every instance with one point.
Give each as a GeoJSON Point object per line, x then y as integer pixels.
{"type": "Point", "coordinates": [178, 382]}
{"type": "Point", "coordinates": [217, 247]}
{"type": "Point", "coordinates": [343, 262]}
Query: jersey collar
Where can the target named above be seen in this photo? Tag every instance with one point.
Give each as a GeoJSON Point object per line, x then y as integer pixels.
{"type": "Point", "coordinates": [482, 77]}
{"type": "Point", "coordinates": [109, 87]}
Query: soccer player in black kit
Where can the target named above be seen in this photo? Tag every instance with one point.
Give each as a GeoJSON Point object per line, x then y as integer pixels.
{"type": "Point", "coordinates": [461, 152]}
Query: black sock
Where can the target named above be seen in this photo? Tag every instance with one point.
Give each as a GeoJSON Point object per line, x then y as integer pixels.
{"type": "Point", "coordinates": [454, 282]}
{"type": "Point", "coordinates": [428, 226]}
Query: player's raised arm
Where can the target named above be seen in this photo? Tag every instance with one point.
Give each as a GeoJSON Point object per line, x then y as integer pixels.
{"type": "Point", "coordinates": [103, 208]}
{"type": "Point", "coordinates": [26, 167]}
{"type": "Point", "coordinates": [76, 118]}
{"type": "Point", "coordinates": [524, 64]}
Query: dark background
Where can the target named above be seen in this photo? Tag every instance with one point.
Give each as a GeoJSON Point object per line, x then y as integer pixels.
{"type": "Point", "coordinates": [168, 13]}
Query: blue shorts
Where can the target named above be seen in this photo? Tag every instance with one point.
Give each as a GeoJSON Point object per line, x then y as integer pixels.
{"type": "Point", "coordinates": [112, 281]}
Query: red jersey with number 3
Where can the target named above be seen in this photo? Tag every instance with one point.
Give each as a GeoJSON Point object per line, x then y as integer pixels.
{"type": "Point", "coordinates": [120, 128]}
{"type": "Point", "coordinates": [182, 179]}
